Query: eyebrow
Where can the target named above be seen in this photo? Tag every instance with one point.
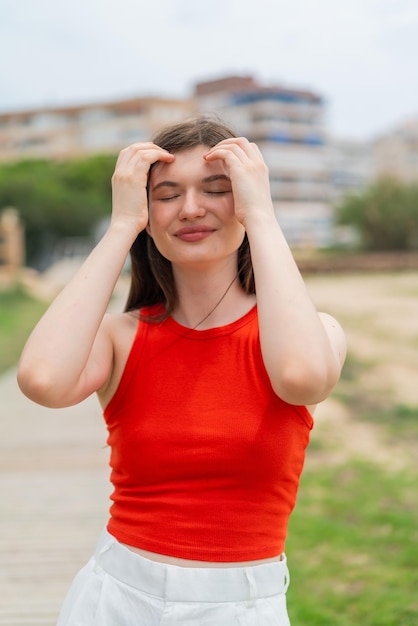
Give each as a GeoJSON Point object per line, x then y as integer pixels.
{"type": "Point", "coordinates": [204, 181]}
{"type": "Point", "coordinates": [215, 177]}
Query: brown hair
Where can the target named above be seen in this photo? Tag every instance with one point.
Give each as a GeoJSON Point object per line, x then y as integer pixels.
{"type": "Point", "coordinates": [152, 280]}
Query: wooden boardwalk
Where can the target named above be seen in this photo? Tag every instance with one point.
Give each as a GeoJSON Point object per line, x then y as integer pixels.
{"type": "Point", "coordinates": [54, 499]}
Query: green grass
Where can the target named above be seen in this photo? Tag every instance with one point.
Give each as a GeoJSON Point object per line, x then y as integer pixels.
{"type": "Point", "coordinates": [353, 537]}
{"type": "Point", "coordinates": [18, 315]}
{"type": "Point", "coordinates": [399, 421]}
{"type": "Point", "coordinates": [353, 548]}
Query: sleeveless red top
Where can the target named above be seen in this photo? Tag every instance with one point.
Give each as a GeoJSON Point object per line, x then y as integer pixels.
{"type": "Point", "coordinates": [205, 457]}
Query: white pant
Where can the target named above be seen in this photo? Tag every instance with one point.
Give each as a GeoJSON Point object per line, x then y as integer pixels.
{"type": "Point", "coordinates": [118, 587]}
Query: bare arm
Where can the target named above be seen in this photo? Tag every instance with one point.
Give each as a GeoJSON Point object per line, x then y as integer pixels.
{"type": "Point", "coordinates": [303, 350]}
{"type": "Point", "coordinates": [69, 354]}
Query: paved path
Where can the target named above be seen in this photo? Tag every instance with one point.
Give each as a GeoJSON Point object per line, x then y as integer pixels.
{"type": "Point", "coordinates": [54, 498]}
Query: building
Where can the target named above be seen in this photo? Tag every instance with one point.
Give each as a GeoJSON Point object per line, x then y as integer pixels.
{"type": "Point", "coordinates": [396, 153]}
{"type": "Point", "coordinates": [351, 167]}
{"type": "Point", "coordinates": [79, 130]}
{"type": "Point", "coordinates": [289, 127]}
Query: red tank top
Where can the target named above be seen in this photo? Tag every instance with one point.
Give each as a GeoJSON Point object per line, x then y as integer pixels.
{"type": "Point", "coordinates": [205, 457]}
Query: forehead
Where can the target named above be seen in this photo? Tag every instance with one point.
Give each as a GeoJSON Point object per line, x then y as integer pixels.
{"type": "Point", "coordinates": [187, 163]}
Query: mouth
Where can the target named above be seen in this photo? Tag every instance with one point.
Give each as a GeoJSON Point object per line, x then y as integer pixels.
{"type": "Point", "coordinates": [194, 233]}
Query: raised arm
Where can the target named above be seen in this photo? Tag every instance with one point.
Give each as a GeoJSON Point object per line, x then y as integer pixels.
{"type": "Point", "coordinates": [303, 350]}
{"type": "Point", "coordinates": [69, 354]}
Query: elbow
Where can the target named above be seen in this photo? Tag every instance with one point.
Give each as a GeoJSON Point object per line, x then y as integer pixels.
{"type": "Point", "coordinates": [305, 386]}
{"type": "Point", "coordinates": [37, 384]}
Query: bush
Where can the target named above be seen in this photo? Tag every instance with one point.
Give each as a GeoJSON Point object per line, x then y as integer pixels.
{"type": "Point", "coordinates": [57, 199]}
{"type": "Point", "coordinates": [385, 216]}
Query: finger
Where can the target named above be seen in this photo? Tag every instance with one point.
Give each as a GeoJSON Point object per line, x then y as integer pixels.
{"type": "Point", "coordinates": [231, 154]}
{"type": "Point", "coordinates": [149, 155]}
{"type": "Point", "coordinates": [240, 146]}
{"type": "Point", "coordinates": [147, 151]}
{"type": "Point", "coordinates": [243, 142]}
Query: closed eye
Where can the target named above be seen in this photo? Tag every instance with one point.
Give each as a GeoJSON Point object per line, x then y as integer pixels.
{"type": "Point", "coordinates": [167, 198]}
{"type": "Point", "coordinates": [217, 192]}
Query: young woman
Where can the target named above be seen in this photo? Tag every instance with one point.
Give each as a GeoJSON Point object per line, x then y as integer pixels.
{"type": "Point", "coordinates": [208, 382]}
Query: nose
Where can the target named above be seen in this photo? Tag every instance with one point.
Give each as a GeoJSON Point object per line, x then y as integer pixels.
{"type": "Point", "coordinates": [191, 206]}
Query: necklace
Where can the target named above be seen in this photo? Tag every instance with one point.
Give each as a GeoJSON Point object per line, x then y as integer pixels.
{"type": "Point", "coordinates": [217, 304]}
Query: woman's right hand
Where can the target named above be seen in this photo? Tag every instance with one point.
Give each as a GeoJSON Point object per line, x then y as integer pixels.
{"type": "Point", "coordinates": [129, 183]}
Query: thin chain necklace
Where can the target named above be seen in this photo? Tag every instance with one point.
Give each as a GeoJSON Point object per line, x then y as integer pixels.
{"type": "Point", "coordinates": [217, 304]}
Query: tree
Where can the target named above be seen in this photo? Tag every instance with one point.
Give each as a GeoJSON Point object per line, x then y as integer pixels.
{"type": "Point", "coordinates": [385, 215]}
{"type": "Point", "coordinates": [57, 199]}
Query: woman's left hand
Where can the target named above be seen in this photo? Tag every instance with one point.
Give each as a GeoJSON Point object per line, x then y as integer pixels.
{"type": "Point", "coordinates": [249, 177]}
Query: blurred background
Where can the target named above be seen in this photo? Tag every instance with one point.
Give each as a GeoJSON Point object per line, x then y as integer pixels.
{"type": "Point", "coordinates": [329, 91]}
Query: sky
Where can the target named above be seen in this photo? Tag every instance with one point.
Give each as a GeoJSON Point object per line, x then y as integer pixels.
{"type": "Point", "coordinates": [361, 56]}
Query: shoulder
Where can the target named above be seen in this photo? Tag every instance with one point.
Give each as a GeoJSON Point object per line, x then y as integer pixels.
{"type": "Point", "coordinates": [115, 321]}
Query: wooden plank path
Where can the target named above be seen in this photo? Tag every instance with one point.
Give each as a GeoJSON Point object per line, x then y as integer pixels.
{"type": "Point", "coordinates": [54, 499]}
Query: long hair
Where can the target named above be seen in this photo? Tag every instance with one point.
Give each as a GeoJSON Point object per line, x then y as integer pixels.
{"type": "Point", "coordinates": [152, 280]}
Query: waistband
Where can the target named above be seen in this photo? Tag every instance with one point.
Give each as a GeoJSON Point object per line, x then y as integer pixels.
{"type": "Point", "coordinates": [188, 584]}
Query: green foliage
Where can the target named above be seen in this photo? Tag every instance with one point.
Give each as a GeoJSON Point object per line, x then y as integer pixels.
{"type": "Point", "coordinates": [57, 198]}
{"type": "Point", "coordinates": [385, 216]}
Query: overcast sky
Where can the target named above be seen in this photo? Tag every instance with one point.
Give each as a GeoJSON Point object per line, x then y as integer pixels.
{"type": "Point", "coordinates": [360, 55]}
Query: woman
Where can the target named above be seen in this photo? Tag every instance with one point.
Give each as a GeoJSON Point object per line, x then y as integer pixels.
{"type": "Point", "coordinates": [208, 382]}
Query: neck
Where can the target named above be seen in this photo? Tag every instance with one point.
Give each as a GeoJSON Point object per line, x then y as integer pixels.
{"type": "Point", "coordinates": [208, 300]}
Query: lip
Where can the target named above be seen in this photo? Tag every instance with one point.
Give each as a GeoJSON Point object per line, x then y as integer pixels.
{"type": "Point", "coordinates": [194, 233]}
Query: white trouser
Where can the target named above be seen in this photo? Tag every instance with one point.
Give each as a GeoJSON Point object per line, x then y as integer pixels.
{"type": "Point", "coordinates": [118, 587]}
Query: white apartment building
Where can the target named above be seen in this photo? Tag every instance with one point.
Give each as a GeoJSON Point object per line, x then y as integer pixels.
{"type": "Point", "coordinates": [308, 173]}
{"type": "Point", "coordinates": [351, 167]}
{"type": "Point", "coordinates": [79, 130]}
{"type": "Point", "coordinates": [396, 153]}
{"type": "Point", "coordinates": [288, 125]}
